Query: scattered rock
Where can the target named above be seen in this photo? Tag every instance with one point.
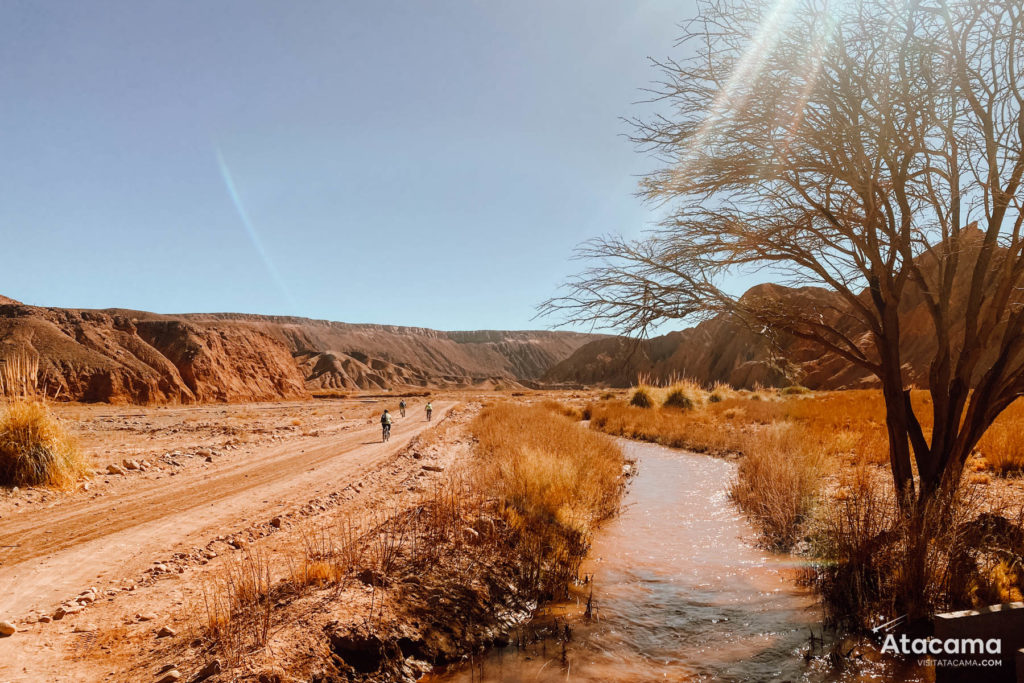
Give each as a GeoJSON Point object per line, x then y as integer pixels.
{"type": "Point", "coordinates": [433, 468]}
{"type": "Point", "coordinates": [84, 628]}
{"type": "Point", "coordinates": [165, 668]}
{"type": "Point", "coordinates": [45, 619]}
{"type": "Point", "coordinates": [276, 522]}
{"type": "Point", "coordinates": [166, 632]}
{"type": "Point", "coordinates": [130, 464]}
{"type": "Point", "coordinates": [170, 677]}
{"type": "Point", "coordinates": [63, 611]}
{"type": "Point", "coordinates": [211, 669]}
{"type": "Point", "coordinates": [146, 617]}
{"type": "Point", "coordinates": [115, 469]}
{"type": "Point", "coordinates": [7, 629]}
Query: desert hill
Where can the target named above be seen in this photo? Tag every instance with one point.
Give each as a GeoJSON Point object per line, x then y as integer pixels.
{"type": "Point", "coordinates": [722, 349]}
{"type": "Point", "coordinates": [121, 355]}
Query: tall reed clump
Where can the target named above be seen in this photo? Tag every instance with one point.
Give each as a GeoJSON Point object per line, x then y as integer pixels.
{"type": "Point", "coordinates": [777, 483]}
{"type": "Point", "coordinates": [35, 449]}
{"type": "Point", "coordinates": [554, 482]}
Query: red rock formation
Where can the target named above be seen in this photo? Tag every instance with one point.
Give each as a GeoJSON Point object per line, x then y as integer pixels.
{"type": "Point", "coordinates": [131, 356]}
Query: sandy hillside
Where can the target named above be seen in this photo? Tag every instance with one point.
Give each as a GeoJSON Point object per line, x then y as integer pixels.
{"type": "Point", "coordinates": [125, 356]}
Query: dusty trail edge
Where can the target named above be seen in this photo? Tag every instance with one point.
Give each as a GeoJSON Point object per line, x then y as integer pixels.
{"type": "Point", "coordinates": [49, 555]}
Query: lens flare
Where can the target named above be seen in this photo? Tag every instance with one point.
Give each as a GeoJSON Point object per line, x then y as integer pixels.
{"type": "Point", "coordinates": [254, 237]}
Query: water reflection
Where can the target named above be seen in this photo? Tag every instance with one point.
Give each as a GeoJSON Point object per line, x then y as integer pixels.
{"type": "Point", "coordinates": [680, 593]}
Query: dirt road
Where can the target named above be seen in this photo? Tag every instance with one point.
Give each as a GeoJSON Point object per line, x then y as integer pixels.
{"type": "Point", "coordinates": [51, 553]}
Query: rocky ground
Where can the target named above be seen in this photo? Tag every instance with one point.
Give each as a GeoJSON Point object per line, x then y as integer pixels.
{"type": "Point", "coordinates": [103, 581]}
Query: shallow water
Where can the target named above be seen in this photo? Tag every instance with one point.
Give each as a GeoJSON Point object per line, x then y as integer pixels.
{"type": "Point", "coordinates": [680, 593]}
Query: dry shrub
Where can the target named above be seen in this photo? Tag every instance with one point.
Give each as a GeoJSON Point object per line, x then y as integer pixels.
{"type": "Point", "coordinates": [777, 483]}
{"type": "Point", "coordinates": [323, 560]}
{"type": "Point", "coordinates": [554, 482]}
{"type": "Point", "coordinates": [853, 541]}
{"type": "Point", "coordinates": [795, 390]}
{"type": "Point", "coordinates": [874, 561]}
{"type": "Point", "coordinates": [677, 398]}
{"type": "Point", "coordinates": [237, 606]}
{"type": "Point", "coordinates": [641, 398]}
{"type": "Point", "coordinates": [35, 449]}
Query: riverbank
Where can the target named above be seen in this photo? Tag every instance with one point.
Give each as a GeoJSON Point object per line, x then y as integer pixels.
{"type": "Point", "coordinates": [813, 477]}
{"type": "Point", "coordinates": [429, 575]}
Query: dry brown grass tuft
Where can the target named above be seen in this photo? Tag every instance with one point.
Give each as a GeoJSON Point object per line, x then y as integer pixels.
{"type": "Point", "coordinates": [554, 480]}
{"type": "Point", "coordinates": [35, 449]}
{"type": "Point", "coordinates": [237, 606]}
{"type": "Point", "coordinates": [641, 398]}
{"type": "Point", "coordinates": [778, 482]}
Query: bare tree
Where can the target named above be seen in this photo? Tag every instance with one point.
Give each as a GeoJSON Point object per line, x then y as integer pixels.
{"type": "Point", "coordinates": [869, 147]}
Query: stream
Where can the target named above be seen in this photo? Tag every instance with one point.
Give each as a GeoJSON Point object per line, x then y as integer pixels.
{"type": "Point", "coordinates": [679, 593]}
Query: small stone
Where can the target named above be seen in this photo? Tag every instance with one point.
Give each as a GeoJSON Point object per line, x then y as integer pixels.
{"type": "Point", "coordinates": [45, 619]}
{"type": "Point", "coordinates": [433, 468]}
{"type": "Point", "coordinates": [7, 629]}
{"type": "Point", "coordinates": [211, 669]}
{"type": "Point", "coordinates": [115, 469]}
{"type": "Point", "coordinates": [130, 465]}
{"type": "Point", "coordinates": [146, 617]}
{"type": "Point", "coordinates": [166, 632]}
{"type": "Point", "coordinates": [170, 677]}
{"type": "Point", "coordinates": [84, 628]}
{"type": "Point", "coordinates": [165, 668]}
{"type": "Point", "coordinates": [276, 522]}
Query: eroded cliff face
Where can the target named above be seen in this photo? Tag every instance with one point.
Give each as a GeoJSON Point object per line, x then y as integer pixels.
{"type": "Point", "coordinates": [131, 356]}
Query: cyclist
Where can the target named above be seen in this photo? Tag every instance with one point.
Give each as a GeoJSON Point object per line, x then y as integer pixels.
{"type": "Point", "coordinates": [385, 425]}
{"type": "Point", "coordinates": [401, 407]}
{"type": "Point", "coordinates": [430, 409]}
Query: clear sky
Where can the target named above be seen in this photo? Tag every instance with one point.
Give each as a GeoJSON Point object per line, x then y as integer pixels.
{"type": "Point", "coordinates": [415, 163]}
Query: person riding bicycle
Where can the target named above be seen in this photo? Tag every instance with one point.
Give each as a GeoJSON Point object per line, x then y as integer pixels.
{"type": "Point", "coordinates": [401, 407]}
{"type": "Point", "coordinates": [430, 409]}
{"type": "Point", "coordinates": [385, 425]}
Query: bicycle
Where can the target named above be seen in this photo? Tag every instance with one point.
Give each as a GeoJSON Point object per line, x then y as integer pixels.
{"type": "Point", "coordinates": [386, 429]}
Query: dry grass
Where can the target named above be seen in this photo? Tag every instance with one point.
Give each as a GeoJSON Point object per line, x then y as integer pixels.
{"type": "Point", "coordinates": [554, 482]}
{"type": "Point", "coordinates": [778, 483]}
{"type": "Point", "coordinates": [814, 467]}
{"type": "Point", "coordinates": [19, 375]}
{"type": "Point", "coordinates": [35, 449]}
{"type": "Point", "coordinates": [237, 606]}
{"type": "Point", "coordinates": [1003, 448]}
{"type": "Point", "coordinates": [641, 398]}
{"type": "Point", "coordinates": [513, 521]}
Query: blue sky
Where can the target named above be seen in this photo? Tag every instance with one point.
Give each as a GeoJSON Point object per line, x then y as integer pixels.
{"type": "Point", "coordinates": [410, 163]}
